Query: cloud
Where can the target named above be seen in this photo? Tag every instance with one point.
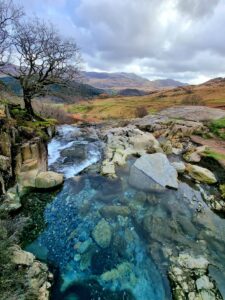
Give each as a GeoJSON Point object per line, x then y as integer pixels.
{"type": "Point", "coordinates": [155, 38]}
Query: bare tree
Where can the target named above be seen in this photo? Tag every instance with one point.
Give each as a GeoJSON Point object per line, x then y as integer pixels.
{"type": "Point", "coordinates": [9, 13]}
{"type": "Point", "coordinates": [44, 58]}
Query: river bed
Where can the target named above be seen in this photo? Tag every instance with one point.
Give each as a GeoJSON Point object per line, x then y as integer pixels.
{"type": "Point", "coordinates": [138, 230]}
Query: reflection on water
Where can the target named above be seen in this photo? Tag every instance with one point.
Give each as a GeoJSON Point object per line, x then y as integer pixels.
{"type": "Point", "coordinates": [109, 241]}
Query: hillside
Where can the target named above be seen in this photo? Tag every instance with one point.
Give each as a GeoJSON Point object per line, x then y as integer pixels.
{"type": "Point", "coordinates": [119, 81]}
{"type": "Point", "coordinates": [211, 94]}
{"type": "Point", "coordinates": [56, 94]}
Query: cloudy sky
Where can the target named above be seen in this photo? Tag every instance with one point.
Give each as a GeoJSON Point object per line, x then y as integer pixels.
{"type": "Point", "coordinates": [179, 39]}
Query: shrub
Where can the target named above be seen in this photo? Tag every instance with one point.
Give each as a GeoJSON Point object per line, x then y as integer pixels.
{"type": "Point", "coordinates": [51, 112]}
{"type": "Point", "coordinates": [140, 112]}
{"type": "Point", "coordinates": [192, 100]}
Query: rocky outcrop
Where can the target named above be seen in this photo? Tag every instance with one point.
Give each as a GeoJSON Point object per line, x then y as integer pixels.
{"type": "Point", "coordinates": [22, 149]}
{"type": "Point", "coordinates": [190, 280]}
{"type": "Point", "coordinates": [37, 278]}
{"type": "Point", "coordinates": [122, 142]}
{"type": "Point", "coordinates": [153, 172]}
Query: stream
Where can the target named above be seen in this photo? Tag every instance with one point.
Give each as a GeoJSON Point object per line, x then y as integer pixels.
{"type": "Point", "coordinates": [104, 240]}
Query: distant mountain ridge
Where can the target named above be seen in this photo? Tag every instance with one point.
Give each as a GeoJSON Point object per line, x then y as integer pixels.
{"type": "Point", "coordinates": [119, 81]}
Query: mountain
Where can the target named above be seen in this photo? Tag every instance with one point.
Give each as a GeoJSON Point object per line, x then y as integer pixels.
{"type": "Point", "coordinates": [120, 81]}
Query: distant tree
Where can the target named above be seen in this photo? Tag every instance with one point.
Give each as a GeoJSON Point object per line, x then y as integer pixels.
{"type": "Point", "coordinates": [192, 100]}
{"type": "Point", "coordinates": [9, 14]}
{"type": "Point", "coordinates": [141, 112]}
{"type": "Point", "coordinates": [44, 58]}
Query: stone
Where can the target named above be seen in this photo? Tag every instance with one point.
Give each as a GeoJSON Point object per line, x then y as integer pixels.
{"type": "Point", "coordinates": [84, 247]}
{"type": "Point", "coordinates": [153, 172]}
{"type": "Point", "coordinates": [49, 179]}
{"type": "Point", "coordinates": [20, 257]}
{"type": "Point", "coordinates": [125, 141]}
{"type": "Point", "coordinates": [189, 280]}
{"type": "Point", "coordinates": [167, 147]}
{"type": "Point", "coordinates": [108, 168]}
{"type": "Point", "coordinates": [179, 166]}
{"type": "Point", "coordinates": [177, 151]}
{"type": "Point", "coordinates": [38, 281]}
{"type": "Point", "coordinates": [196, 155]}
{"type": "Point", "coordinates": [11, 200]}
{"type": "Point", "coordinates": [75, 152]}
{"type": "Point", "coordinates": [111, 211]}
{"type": "Point", "coordinates": [5, 163]}
{"type": "Point", "coordinates": [187, 261]}
{"type": "Point", "coordinates": [204, 283]}
{"type": "Point", "coordinates": [102, 234]}
{"type": "Point", "coordinates": [208, 295]}
{"type": "Point", "coordinates": [122, 270]}
{"type": "Point", "coordinates": [201, 174]}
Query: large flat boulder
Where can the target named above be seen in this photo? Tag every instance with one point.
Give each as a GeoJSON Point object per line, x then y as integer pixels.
{"type": "Point", "coordinates": [193, 113]}
{"type": "Point", "coordinates": [153, 172]}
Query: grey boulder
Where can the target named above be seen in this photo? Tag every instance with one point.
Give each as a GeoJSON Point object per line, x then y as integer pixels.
{"type": "Point", "coordinates": [153, 172]}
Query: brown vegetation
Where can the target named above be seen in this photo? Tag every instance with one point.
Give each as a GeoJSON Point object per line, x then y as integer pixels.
{"type": "Point", "coordinates": [52, 112]}
{"type": "Point", "coordinates": [141, 112]}
{"type": "Point", "coordinates": [192, 100]}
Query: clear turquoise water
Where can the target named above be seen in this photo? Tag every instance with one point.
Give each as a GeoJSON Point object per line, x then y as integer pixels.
{"type": "Point", "coordinates": [158, 225]}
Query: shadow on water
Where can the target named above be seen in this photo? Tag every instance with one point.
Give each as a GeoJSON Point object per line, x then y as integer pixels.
{"type": "Point", "coordinates": [88, 290]}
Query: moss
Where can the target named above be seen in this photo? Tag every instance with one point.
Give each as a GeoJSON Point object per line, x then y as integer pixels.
{"type": "Point", "coordinates": [34, 205]}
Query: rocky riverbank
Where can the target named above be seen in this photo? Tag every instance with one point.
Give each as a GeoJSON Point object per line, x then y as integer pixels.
{"type": "Point", "coordinates": [23, 165]}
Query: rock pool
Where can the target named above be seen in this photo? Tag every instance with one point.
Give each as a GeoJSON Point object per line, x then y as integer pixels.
{"type": "Point", "coordinates": [106, 240]}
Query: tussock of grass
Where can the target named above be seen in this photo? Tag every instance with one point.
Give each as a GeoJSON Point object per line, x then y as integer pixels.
{"type": "Point", "coordinates": [214, 155]}
{"type": "Point", "coordinates": [218, 128]}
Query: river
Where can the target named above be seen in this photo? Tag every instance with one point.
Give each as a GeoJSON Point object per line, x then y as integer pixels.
{"type": "Point", "coordinates": [140, 229]}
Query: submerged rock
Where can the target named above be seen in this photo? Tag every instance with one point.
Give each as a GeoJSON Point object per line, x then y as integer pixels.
{"type": "Point", "coordinates": [201, 174]}
{"type": "Point", "coordinates": [122, 270]}
{"type": "Point", "coordinates": [153, 172]}
{"type": "Point", "coordinates": [111, 211]}
{"type": "Point", "coordinates": [102, 233]}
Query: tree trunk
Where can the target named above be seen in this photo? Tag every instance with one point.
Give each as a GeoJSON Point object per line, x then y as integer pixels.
{"type": "Point", "coordinates": [27, 103]}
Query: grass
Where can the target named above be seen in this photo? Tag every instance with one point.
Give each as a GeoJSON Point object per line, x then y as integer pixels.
{"type": "Point", "coordinates": [218, 128]}
{"type": "Point", "coordinates": [125, 107]}
{"type": "Point", "coordinates": [117, 108]}
{"type": "Point", "coordinates": [214, 155]}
